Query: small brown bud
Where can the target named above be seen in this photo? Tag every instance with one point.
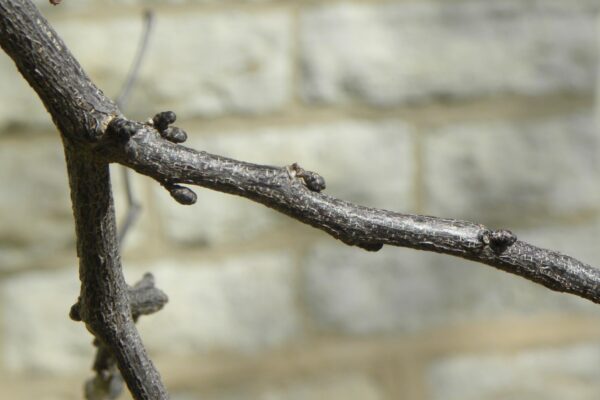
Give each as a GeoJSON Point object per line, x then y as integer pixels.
{"type": "Point", "coordinates": [313, 181]}
{"type": "Point", "coordinates": [182, 195]}
{"type": "Point", "coordinates": [174, 134]}
{"type": "Point", "coordinates": [162, 120]}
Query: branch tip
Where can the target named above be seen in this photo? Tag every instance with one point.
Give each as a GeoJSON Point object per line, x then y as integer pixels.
{"type": "Point", "coordinates": [104, 386]}
{"type": "Point", "coordinates": [107, 383]}
{"type": "Point", "coordinates": [145, 298]}
{"type": "Point", "coordinates": [147, 281]}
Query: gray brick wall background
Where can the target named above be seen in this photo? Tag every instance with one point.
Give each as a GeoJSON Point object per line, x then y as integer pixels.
{"type": "Point", "coordinates": [474, 109]}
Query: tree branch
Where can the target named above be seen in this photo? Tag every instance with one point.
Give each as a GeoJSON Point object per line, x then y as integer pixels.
{"type": "Point", "coordinates": [104, 303]}
{"type": "Point", "coordinates": [145, 299]}
{"type": "Point", "coordinates": [95, 134]}
{"type": "Point", "coordinates": [78, 108]}
{"type": "Point", "coordinates": [80, 111]}
{"type": "Point", "coordinates": [296, 193]}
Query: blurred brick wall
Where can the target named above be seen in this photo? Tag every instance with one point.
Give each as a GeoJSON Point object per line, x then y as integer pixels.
{"type": "Point", "coordinates": [481, 110]}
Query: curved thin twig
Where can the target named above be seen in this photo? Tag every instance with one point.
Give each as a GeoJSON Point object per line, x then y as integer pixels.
{"type": "Point", "coordinates": [134, 70]}
{"type": "Point", "coordinates": [133, 206]}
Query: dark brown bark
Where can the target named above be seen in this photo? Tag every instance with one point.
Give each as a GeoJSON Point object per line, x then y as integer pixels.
{"type": "Point", "coordinates": [80, 111]}
{"type": "Point", "coordinates": [95, 134]}
{"type": "Point", "coordinates": [282, 189]}
{"type": "Point", "coordinates": [76, 105]}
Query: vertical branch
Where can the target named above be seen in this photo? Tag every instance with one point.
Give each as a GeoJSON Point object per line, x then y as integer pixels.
{"type": "Point", "coordinates": [104, 301]}
{"type": "Point", "coordinates": [81, 112]}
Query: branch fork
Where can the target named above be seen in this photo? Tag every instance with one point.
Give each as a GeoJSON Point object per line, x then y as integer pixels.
{"type": "Point", "coordinates": [145, 299]}
{"type": "Point", "coordinates": [123, 130]}
{"type": "Point", "coordinates": [107, 305]}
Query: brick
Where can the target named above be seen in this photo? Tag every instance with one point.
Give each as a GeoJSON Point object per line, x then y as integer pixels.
{"type": "Point", "coordinates": [238, 304]}
{"type": "Point", "coordinates": [212, 69]}
{"type": "Point", "coordinates": [512, 171]}
{"type": "Point", "coordinates": [35, 207]}
{"type": "Point", "coordinates": [195, 64]}
{"type": "Point", "coordinates": [37, 334]}
{"type": "Point", "coordinates": [546, 373]}
{"type": "Point", "coordinates": [139, 236]}
{"type": "Point", "coordinates": [20, 107]}
{"type": "Point", "coordinates": [45, 5]}
{"type": "Point", "coordinates": [347, 386]}
{"type": "Point", "coordinates": [374, 167]}
{"type": "Point", "coordinates": [393, 53]}
{"type": "Point", "coordinates": [351, 387]}
{"type": "Point", "coordinates": [353, 292]}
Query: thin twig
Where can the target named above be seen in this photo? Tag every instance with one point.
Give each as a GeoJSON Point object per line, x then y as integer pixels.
{"type": "Point", "coordinates": [298, 194]}
{"type": "Point", "coordinates": [133, 206]}
{"type": "Point", "coordinates": [134, 70]}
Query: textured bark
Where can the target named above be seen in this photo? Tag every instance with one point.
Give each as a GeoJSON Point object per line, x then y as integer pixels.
{"type": "Point", "coordinates": [104, 303]}
{"type": "Point", "coordinates": [95, 134]}
{"type": "Point", "coordinates": [76, 105]}
{"type": "Point", "coordinates": [282, 189]}
{"type": "Point", "coordinates": [80, 111]}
